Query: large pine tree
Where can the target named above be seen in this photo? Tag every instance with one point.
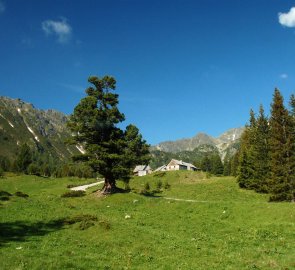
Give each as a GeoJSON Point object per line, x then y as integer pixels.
{"type": "Point", "coordinates": [281, 151]}
{"type": "Point", "coordinates": [110, 151]}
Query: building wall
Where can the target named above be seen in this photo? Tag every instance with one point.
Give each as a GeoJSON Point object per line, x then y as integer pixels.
{"type": "Point", "coordinates": [142, 173]}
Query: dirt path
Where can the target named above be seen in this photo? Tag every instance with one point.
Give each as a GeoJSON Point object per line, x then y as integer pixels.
{"type": "Point", "coordinates": [183, 200]}
{"type": "Point", "coordinates": [86, 186]}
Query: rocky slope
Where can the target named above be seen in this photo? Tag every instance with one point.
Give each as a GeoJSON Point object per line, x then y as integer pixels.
{"type": "Point", "coordinates": [225, 143]}
{"type": "Point", "coordinates": [43, 130]}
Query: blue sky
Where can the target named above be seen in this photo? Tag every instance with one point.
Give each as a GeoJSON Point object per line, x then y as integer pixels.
{"type": "Point", "coordinates": [182, 67]}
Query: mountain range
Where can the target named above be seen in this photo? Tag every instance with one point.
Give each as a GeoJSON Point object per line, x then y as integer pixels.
{"type": "Point", "coordinates": [223, 144]}
{"type": "Point", "coordinates": [46, 131]}
{"type": "Point", "coordinates": [42, 130]}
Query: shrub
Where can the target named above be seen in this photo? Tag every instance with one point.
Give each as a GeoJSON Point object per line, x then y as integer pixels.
{"type": "Point", "coordinates": [127, 186]}
{"type": "Point", "coordinates": [73, 193]}
{"type": "Point", "coordinates": [21, 194]}
{"type": "Point", "coordinates": [147, 186]}
{"type": "Point", "coordinates": [159, 185]}
{"type": "Point", "coordinates": [34, 169]}
{"type": "Point", "coordinates": [167, 185]}
{"type": "Point", "coordinates": [146, 189]}
{"type": "Point", "coordinates": [1, 173]}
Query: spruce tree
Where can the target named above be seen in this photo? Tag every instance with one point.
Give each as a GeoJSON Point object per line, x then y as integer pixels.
{"type": "Point", "coordinates": [261, 153]}
{"type": "Point", "coordinates": [206, 165]}
{"type": "Point", "coordinates": [281, 151]}
{"type": "Point", "coordinates": [217, 166]}
{"type": "Point", "coordinates": [246, 168]}
{"type": "Point", "coordinates": [227, 167]}
{"type": "Point", "coordinates": [24, 159]}
{"type": "Point", "coordinates": [234, 163]}
{"type": "Point", "coordinates": [109, 151]}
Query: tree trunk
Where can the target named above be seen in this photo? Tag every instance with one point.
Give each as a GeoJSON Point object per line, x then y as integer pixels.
{"type": "Point", "coordinates": [109, 187]}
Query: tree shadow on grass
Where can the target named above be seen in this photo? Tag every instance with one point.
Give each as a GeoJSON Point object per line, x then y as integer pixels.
{"type": "Point", "coordinates": [19, 231]}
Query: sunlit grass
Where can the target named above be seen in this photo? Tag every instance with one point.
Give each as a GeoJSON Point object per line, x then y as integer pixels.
{"type": "Point", "coordinates": [229, 228]}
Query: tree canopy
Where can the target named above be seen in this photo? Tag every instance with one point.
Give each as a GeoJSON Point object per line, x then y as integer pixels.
{"type": "Point", "coordinates": [109, 150]}
{"type": "Point", "coordinates": [267, 153]}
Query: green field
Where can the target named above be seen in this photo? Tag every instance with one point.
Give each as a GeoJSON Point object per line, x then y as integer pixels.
{"type": "Point", "coordinates": [223, 227]}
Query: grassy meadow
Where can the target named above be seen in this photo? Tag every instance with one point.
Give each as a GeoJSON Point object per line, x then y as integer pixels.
{"type": "Point", "coordinates": [222, 227]}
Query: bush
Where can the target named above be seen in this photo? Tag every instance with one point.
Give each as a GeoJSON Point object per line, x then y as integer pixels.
{"type": "Point", "coordinates": [73, 193]}
{"type": "Point", "coordinates": [21, 194]}
{"type": "Point", "coordinates": [167, 185]}
{"type": "Point", "coordinates": [146, 189]}
{"type": "Point", "coordinates": [147, 186]}
{"type": "Point", "coordinates": [159, 185]}
{"type": "Point", "coordinates": [33, 169]}
{"type": "Point", "coordinates": [1, 173]}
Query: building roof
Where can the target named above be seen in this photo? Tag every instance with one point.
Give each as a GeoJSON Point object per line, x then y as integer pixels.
{"type": "Point", "coordinates": [163, 167]}
{"type": "Point", "coordinates": [182, 163]}
{"type": "Point", "coordinates": [141, 168]}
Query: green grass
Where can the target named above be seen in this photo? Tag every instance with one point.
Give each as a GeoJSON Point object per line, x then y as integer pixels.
{"type": "Point", "coordinates": [228, 228]}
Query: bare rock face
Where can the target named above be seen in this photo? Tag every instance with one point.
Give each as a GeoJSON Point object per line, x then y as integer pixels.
{"type": "Point", "coordinates": [45, 130]}
{"type": "Point", "coordinates": [225, 144]}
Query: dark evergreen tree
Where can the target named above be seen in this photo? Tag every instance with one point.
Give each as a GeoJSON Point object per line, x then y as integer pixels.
{"type": "Point", "coordinates": [5, 163]}
{"type": "Point", "coordinates": [261, 153]}
{"type": "Point", "coordinates": [217, 166]}
{"type": "Point", "coordinates": [34, 169]}
{"type": "Point", "coordinates": [292, 105]}
{"type": "Point", "coordinates": [281, 151]}
{"type": "Point", "coordinates": [24, 159]}
{"type": "Point", "coordinates": [108, 148]}
{"type": "Point", "coordinates": [227, 167]}
{"type": "Point", "coordinates": [246, 169]}
{"type": "Point", "coordinates": [206, 164]}
{"type": "Point", "coordinates": [234, 163]}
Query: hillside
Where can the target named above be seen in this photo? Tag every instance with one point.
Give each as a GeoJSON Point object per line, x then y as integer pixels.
{"type": "Point", "coordinates": [194, 149]}
{"type": "Point", "coordinates": [46, 132]}
{"type": "Point", "coordinates": [43, 130]}
{"type": "Point", "coordinates": [198, 223]}
{"type": "Point", "coordinates": [222, 143]}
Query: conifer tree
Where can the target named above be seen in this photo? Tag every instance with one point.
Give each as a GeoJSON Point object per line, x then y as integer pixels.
{"type": "Point", "coordinates": [261, 153]}
{"type": "Point", "coordinates": [281, 151]}
{"type": "Point", "coordinates": [206, 165]}
{"type": "Point", "coordinates": [217, 166]}
{"type": "Point", "coordinates": [110, 151]}
{"type": "Point", "coordinates": [246, 169]}
{"type": "Point", "coordinates": [234, 163]}
{"type": "Point", "coordinates": [24, 159]}
{"type": "Point", "coordinates": [227, 167]}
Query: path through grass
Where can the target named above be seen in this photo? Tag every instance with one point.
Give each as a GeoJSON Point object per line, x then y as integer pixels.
{"type": "Point", "coordinates": [234, 229]}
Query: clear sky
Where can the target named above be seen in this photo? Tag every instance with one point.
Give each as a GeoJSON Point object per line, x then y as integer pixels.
{"type": "Point", "coordinates": [182, 67]}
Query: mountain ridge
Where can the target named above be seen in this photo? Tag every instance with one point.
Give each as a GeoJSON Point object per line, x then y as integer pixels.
{"type": "Point", "coordinates": [222, 142]}
{"type": "Point", "coordinates": [43, 130]}
{"type": "Point", "coordinates": [46, 131]}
